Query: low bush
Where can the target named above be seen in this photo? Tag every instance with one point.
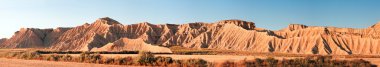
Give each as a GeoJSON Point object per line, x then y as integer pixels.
{"type": "Point", "coordinates": [93, 52]}
{"type": "Point", "coordinates": [90, 58]}
{"type": "Point", "coordinates": [11, 54]}
{"type": "Point", "coordinates": [53, 57]}
{"type": "Point", "coordinates": [270, 61]}
{"type": "Point", "coordinates": [163, 61]}
{"type": "Point", "coordinates": [23, 55]}
{"type": "Point", "coordinates": [146, 58]}
{"type": "Point", "coordinates": [123, 61]}
{"type": "Point", "coordinates": [107, 61]}
{"type": "Point", "coordinates": [315, 61]}
{"type": "Point", "coordinates": [190, 63]}
{"type": "Point", "coordinates": [227, 64]}
{"type": "Point", "coordinates": [67, 57]}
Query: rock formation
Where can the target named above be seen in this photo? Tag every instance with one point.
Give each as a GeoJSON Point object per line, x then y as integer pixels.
{"type": "Point", "coordinates": [33, 38]}
{"type": "Point", "coordinates": [125, 44]}
{"type": "Point", "coordinates": [106, 34]}
{"type": "Point", "coordinates": [2, 40]}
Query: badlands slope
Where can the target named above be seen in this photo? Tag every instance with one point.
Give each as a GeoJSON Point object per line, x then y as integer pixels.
{"type": "Point", "coordinates": [106, 34]}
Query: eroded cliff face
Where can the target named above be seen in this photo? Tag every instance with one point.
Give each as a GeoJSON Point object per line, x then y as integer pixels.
{"type": "Point", "coordinates": [33, 38]}
{"type": "Point", "coordinates": [2, 40]}
{"type": "Point", "coordinates": [106, 34]}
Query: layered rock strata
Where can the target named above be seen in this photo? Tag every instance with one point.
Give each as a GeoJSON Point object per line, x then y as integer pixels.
{"type": "Point", "coordinates": [106, 34]}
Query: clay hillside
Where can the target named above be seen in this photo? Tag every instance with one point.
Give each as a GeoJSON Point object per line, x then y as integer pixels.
{"type": "Point", "coordinates": [106, 34]}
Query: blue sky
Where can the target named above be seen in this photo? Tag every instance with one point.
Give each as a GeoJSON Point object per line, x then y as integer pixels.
{"type": "Point", "coordinates": [269, 14]}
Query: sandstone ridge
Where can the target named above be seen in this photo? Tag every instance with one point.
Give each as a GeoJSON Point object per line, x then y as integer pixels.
{"type": "Point", "coordinates": [106, 34]}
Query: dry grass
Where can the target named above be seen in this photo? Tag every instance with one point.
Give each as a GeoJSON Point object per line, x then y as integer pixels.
{"type": "Point", "coordinates": [317, 61]}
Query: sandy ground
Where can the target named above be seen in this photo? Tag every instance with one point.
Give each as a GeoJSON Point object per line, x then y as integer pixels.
{"type": "Point", "coordinates": [40, 63]}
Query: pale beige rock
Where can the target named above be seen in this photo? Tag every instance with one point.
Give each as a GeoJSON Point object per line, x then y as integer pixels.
{"type": "Point", "coordinates": [292, 27]}
{"type": "Point", "coordinates": [106, 34]}
{"type": "Point", "coordinates": [126, 44]}
{"type": "Point", "coordinates": [26, 38]}
{"type": "Point", "coordinates": [85, 37]}
{"type": "Point", "coordinates": [377, 25]}
{"type": "Point", "coordinates": [298, 39]}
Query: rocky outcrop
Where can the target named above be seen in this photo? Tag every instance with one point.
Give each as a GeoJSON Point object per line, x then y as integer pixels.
{"type": "Point", "coordinates": [85, 37]}
{"type": "Point", "coordinates": [377, 25]}
{"type": "Point", "coordinates": [126, 44]}
{"type": "Point", "coordinates": [244, 24]}
{"type": "Point", "coordinates": [292, 27]}
{"type": "Point", "coordinates": [30, 38]}
{"type": "Point", "coordinates": [2, 40]}
{"type": "Point", "coordinates": [106, 34]}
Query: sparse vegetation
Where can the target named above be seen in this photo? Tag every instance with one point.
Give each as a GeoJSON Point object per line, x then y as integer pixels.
{"type": "Point", "coordinates": [195, 62]}
{"type": "Point", "coordinates": [53, 57]}
{"type": "Point", "coordinates": [67, 57]}
{"type": "Point", "coordinates": [90, 58]}
{"type": "Point", "coordinates": [164, 61]}
{"type": "Point", "coordinates": [23, 55]}
{"type": "Point", "coordinates": [123, 61]}
{"type": "Point", "coordinates": [144, 59]}
{"type": "Point", "coordinates": [316, 61]}
{"type": "Point", "coordinates": [79, 52]}
{"type": "Point", "coordinates": [148, 59]}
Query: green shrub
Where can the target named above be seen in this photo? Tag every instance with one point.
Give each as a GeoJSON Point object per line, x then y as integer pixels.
{"type": "Point", "coordinates": [22, 55]}
{"type": "Point", "coordinates": [83, 56]}
{"type": "Point", "coordinates": [90, 58]}
{"type": "Point", "coordinates": [194, 62]}
{"type": "Point", "coordinates": [163, 61]}
{"type": "Point", "coordinates": [123, 61]}
{"type": "Point", "coordinates": [12, 54]}
{"type": "Point", "coordinates": [28, 55]}
{"type": "Point", "coordinates": [128, 60]}
{"type": "Point", "coordinates": [317, 61]}
{"type": "Point", "coordinates": [107, 61]}
{"type": "Point", "coordinates": [67, 57]}
{"type": "Point", "coordinates": [258, 60]}
{"type": "Point", "coordinates": [271, 61]}
{"type": "Point", "coordinates": [227, 64]}
{"type": "Point", "coordinates": [53, 57]}
{"type": "Point", "coordinates": [145, 58]}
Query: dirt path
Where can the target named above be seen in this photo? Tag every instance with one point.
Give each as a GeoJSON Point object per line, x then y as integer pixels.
{"type": "Point", "coordinates": [39, 63]}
